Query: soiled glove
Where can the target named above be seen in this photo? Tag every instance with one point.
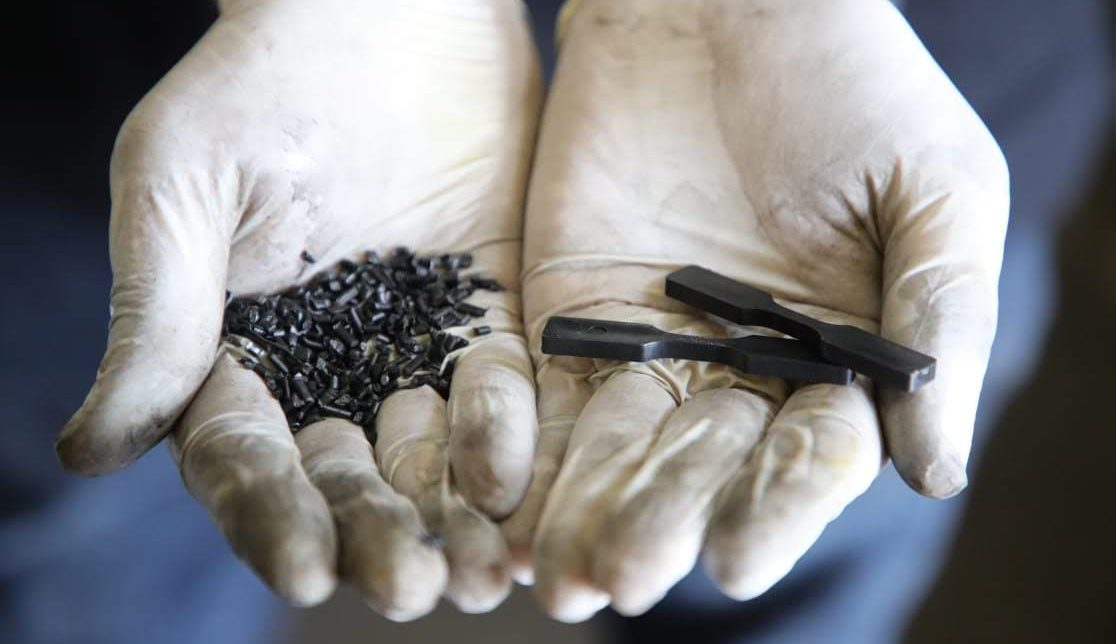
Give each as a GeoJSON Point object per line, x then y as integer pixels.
{"type": "Point", "coordinates": [332, 127]}
{"type": "Point", "coordinates": [812, 149]}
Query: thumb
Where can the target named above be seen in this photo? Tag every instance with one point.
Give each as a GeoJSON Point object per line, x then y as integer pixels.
{"type": "Point", "coordinates": [941, 269]}
{"type": "Point", "coordinates": [169, 251]}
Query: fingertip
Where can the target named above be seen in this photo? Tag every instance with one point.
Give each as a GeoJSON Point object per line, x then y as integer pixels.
{"type": "Point", "coordinates": [129, 410]}
{"type": "Point", "coordinates": [742, 589]}
{"type": "Point", "coordinates": [480, 586]}
{"type": "Point", "coordinates": [569, 601]}
{"type": "Point", "coordinates": [564, 589]}
{"type": "Point", "coordinates": [637, 570]}
{"type": "Point", "coordinates": [737, 578]}
{"type": "Point", "coordinates": [482, 590]}
{"type": "Point", "coordinates": [411, 587]}
{"type": "Point", "coordinates": [71, 449]}
{"type": "Point", "coordinates": [479, 565]}
{"type": "Point", "coordinates": [92, 451]}
{"type": "Point", "coordinates": [940, 478]}
{"type": "Point", "coordinates": [929, 436]}
{"type": "Point", "coordinates": [630, 600]}
{"type": "Point", "coordinates": [480, 575]}
{"type": "Point", "coordinates": [312, 589]}
{"type": "Point", "coordinates": [302, 572]}
{"type": "Point", "coordinates": [399, 615]}
{"type": "Point", "coordinates": [635, 605]}
{"type": "Point", "coordinates": [523, 571]}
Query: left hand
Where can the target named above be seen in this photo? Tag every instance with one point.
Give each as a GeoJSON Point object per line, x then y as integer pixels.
{"type": "Point", "coordinates": [332, 127]}
{"type": "Point", "coordinates": [812, 149]}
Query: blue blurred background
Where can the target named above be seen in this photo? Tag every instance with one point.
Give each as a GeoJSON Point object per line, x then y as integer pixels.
{"type": "Point", "coordinates": [131, 558]}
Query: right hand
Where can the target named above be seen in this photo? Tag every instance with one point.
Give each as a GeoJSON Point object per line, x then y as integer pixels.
{"type": "Point", "coordinates": [333, 127]}
{"type": "Point", "coordinates": [812, 149]}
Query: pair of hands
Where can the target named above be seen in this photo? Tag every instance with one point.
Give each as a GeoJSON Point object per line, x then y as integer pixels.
{"type": "Point", "coordinates": [812, 149]}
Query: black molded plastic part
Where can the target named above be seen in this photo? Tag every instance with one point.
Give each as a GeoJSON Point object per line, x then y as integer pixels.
{"type": "Point", "coordinates": [761, 355]}
{"type": "Point", "coordinates": [882, 360]}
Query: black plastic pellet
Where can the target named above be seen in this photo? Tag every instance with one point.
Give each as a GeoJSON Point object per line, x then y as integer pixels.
{"type": "Point", "coordinates": [482, 330]}
{"type": "Point", "coordinates": [485, 284]}
{"type": "Point", "coordinates": [408, 369]}
{"type": "Point", "coordinates": [336, 411]}
{"type": "Point", "coordinates": [470, 309]}
{"type": "Point", "coordinates": [379, 274]}
{"type": "Point", "coordinates": [354, 317]}
{"type": "Point", "coordinates": [279, 363]}
{"type": "Point", "coordinates": [346, 297]}
{"type": "Point", "coordinates": [346, 337]}
{"type": "Point", "coordinates": [454, 342]}
{"type": "Point", "coordinates": [299, 384]}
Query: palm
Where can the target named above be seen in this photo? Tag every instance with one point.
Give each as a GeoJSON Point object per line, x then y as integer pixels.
{"type": "Point", "coordinates": [396, 138]}
{"type": "Point", "coordinates": [715, 136]}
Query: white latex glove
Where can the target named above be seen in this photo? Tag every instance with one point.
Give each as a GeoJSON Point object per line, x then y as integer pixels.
{"type": "Point", "coordinates": [334, 127]}
{"type": "Point", "coordinates": [812, 149]}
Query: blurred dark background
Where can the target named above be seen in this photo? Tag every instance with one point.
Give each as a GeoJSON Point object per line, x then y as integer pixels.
{"type": "Point", "coordinates": [130, 558]}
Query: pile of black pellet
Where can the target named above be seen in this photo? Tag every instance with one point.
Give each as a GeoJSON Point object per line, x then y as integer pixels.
{"type": "Point", "coordinates": [339, 344]}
